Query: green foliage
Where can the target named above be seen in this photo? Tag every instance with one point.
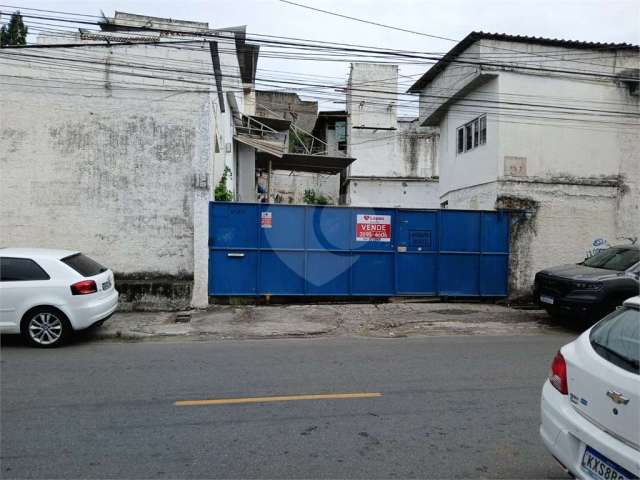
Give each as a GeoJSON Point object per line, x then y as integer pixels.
{"type": "Point", "coordinates": [221, 192]}
{"type": "Point", "coordinates": [311, 197]}
{"type": "Point", "coordinates": [15, 32]}
{"type": "Point", "coordinates": [298, 141]}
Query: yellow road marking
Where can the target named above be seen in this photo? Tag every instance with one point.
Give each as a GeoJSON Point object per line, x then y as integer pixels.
{"type": "Point", "coordinates": [287, 398]}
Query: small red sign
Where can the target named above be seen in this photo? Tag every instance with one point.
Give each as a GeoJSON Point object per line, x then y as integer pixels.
{"type": "Point", "coordinates": [266, 220]}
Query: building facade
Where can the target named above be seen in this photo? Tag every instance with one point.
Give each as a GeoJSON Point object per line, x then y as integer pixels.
{"type": "Point", "coordinates": [546, 126]}
{"type": "Point", "coordinates": [114, 150]}
{"type": "Point", "coordinates": [396, 159]}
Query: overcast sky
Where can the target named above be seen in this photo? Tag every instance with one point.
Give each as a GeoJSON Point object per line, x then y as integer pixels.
{"type": "Point", "coordinates": [587, 20]}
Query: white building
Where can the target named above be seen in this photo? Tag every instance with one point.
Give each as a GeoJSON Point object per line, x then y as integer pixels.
{"type": "Point", "coordinates": [396, 160]}
{"type": "Point", "coordinates": [115, 149]}
{"type": "Point", "coordinates": [550, 126]}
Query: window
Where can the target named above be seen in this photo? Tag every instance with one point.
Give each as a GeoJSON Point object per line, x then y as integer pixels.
{"type": "Point", "coordinates": [20, 270]}
{"type": "Point", "coordinates": [483, 129]}
{"type": "Point", "coordinates": [476, 131]}
{"type": "Point", "coordinates": [616, 338]}
{"type": "Point", "coordinates": [471, 134]}
{"type": "Point", "coordinates": [468, 135]}
{"type": "Point", "coordinates": [84, 265]}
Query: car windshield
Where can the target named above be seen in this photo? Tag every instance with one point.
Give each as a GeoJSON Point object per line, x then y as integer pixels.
{"type": "Point", "coordinates": [617, 338]}
{"type": "Point", "coordinates": [615, 258]}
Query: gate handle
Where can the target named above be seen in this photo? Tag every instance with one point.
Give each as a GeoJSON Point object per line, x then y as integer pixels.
{"type": "Point", "coordinates": [235, 255]}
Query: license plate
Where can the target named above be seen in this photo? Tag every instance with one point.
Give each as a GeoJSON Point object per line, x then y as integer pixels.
{"type": "Point", "coordinates": [106, 285]}
{"type": "Point", "coordinates": [601, 468]}
{"type": "Point", "coordinates": [546, 299]}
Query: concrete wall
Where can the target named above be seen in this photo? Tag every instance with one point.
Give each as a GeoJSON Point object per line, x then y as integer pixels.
{"type": "Point", "coordinates": [289, 187]}
{"type": "Point", "coordinates": [562, 222]}
{"type": "Point", "coordinates": [288, 106]}
{"type": "Point", "coordinates": [116, 166]}
{"type": "Point", "coordinates": [400, 193]}
{"type": "Point", "coordinates": [396, 160]}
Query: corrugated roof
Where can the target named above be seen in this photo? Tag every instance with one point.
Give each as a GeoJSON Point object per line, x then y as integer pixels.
{"type": "Point", "coordinates": [466, 42]}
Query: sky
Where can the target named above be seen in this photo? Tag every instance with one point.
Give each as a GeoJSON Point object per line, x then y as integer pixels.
{"type": "Point", "coordinates": [586, 20]}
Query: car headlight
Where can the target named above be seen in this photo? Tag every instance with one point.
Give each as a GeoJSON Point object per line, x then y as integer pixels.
{"type": "Point", "coordinates": [588, 286]}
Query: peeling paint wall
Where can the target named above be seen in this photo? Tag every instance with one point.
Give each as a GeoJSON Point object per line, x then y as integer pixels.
{"type": "Point", "coordinates": [124, 175]}
{"type": "Point", "coordinates": [562, 222]}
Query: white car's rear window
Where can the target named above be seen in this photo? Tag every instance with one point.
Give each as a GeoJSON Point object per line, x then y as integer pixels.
{"type": "Point", "coordinates": [617, 338]}
{"type": "Point", "coordinates": [85, 266]}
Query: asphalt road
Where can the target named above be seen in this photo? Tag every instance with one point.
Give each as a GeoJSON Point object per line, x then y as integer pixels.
{"type": "Point", "coordinates": [449, 407]}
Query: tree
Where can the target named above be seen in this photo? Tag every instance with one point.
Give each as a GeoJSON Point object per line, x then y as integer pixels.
{"type": "Point", "coordinates": [15, 32]}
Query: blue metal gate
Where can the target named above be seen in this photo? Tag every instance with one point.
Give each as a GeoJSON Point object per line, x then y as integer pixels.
{"type": "Point", "coordinates": [267, 249]}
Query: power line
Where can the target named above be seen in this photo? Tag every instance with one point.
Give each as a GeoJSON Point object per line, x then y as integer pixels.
{"type": "Point", "coordinates": [369, 21]}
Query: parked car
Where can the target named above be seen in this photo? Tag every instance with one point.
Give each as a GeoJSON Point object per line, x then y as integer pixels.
{"type": "Point", "coordinates": [592, 288]}
{"type": "Point", "coordinates": [590, 408]}
{"type": "Point", "coordinates": [46, 295]}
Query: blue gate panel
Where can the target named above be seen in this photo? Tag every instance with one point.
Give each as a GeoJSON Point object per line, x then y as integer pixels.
{"type": "Point", "coordinates": [328, 228]}
{"type": "Point", "coordinates": [281, 273]}
{"type": "Point", "coordinates": [459, 231]}
{"type": "Point", "coordinates": [493, 275]}
{"type": "Point", "coordinates": [285, 230]}
{"type": "Point", "coordinates": [234, 272]}
{"type": "Point", "coordinates": [417, 231]}
{"type": "Point", "coordinates": [458, 275]}
{"type": "Point", "coordinates": [233, 225]}
{"type": "Point", "coordinates": [372, 274]}
{"type": "Point", "coordinates": [495, 232]}
{"type": "Point", "coordinates": [417, 274]}
{"type": "Point", "coordinates": [259, 249]}
{"type": "Point", "coordinates": [328, 273]}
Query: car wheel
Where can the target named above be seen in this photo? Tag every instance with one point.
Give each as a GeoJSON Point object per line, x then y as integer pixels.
{"type": "Point", "coordinates": [45, 327]}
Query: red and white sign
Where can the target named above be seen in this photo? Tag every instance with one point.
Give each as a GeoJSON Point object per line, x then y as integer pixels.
{"type": "Point", "coordinates": [266, 220]}
{"type": "Point", "coordinates": [373, 228]}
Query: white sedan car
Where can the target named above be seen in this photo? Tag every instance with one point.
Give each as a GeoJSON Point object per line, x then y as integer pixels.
{"type": "Point", "coordinates": [590, 405]}
{"type": "Point", "coordinates": [46, 295]}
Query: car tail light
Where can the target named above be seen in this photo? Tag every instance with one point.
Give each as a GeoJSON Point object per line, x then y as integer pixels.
{"type": "Point", "coordinates": [84, 287]}
{"type": "Point", "coordinates": [558, 374]}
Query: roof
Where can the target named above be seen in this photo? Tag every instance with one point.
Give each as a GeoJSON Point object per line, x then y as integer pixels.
{"type": "Point", "coordinates": [473, 37]}
{"type": "Point", "coordinates": [633, 302]}
{"type": "Point", "coordinates": [36, 252]}
{"type": "Point", "coordinates": [303, 162]}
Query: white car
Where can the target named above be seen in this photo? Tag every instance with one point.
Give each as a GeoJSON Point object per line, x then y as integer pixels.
{"type": "Point", "coordinates": [46, 295]}
{"type": "Point", "coordinates": [590, 405]}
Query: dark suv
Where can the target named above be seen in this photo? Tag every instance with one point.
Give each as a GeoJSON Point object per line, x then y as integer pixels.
{"type": "Point", "coordinates": [592, 288]}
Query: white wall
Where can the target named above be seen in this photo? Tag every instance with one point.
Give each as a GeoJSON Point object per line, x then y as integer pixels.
{"type": "Point", "coordinates": [122, 174]}
{"type": "Point", "coordinates": [586, 146]}
{"type": "Point", "coordinates": [399, 193]}
{"type": "Point", "coordinates": [289, 187]}
{"type": "Point", "coordinates": [476, 166]}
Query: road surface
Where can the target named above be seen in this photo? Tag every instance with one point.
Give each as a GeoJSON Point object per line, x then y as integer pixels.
{"type": "Point", "coordinates": [452, 406]}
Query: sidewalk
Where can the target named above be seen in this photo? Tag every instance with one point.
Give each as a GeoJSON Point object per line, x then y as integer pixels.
{"type": "Point", "coordinates": [373, 320]}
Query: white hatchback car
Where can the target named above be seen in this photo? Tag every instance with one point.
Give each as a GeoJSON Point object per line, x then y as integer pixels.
{"type": "Point", "coordinates": [590, 405]}
{"type": "Point", "coordinates": [46, 295]}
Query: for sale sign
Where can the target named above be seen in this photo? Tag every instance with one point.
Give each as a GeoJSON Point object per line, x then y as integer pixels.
{"type": "Point", "coordinates": [373, 228]}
